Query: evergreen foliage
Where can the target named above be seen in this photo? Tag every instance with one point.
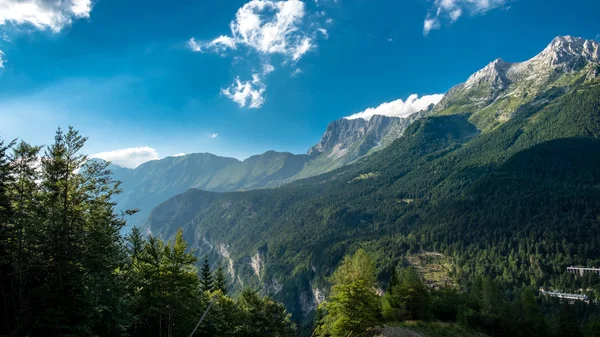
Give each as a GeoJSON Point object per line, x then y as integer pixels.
{"type": "Point", "coordinates": [65, 270]}
{"type": "Point", "coordinates": [206, 278]}
{"type": "Point", "coordinates": [518, 203]}
{"type": "Point", "coordinates": [488, 308]}
{"type": "Point", "coordinates": [220, 280]}
{"type": "Point", "coordinates": [353, 306]}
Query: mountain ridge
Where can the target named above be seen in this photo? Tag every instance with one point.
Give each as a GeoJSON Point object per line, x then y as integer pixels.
{"type": "Point", "coordinates": [427, 190]}
{"type": "Point", "coordinates": [345, 141]}
{"type": "Point", "coordinates": [492, 95]}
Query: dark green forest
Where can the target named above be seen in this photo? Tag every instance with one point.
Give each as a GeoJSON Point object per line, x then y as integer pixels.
{"type": "Point", "coordinates": [65, 270]}
{"type": "Point", "coordinates": [355, 307]}
{"type": "Point", "coordinates": [518, 203]}
{"type": "Point", "coordinates": [511, 208]}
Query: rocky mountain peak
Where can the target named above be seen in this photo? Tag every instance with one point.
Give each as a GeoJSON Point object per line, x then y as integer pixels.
{"type": "Point", "coordinates": [564, 49]}
{"type": "Point", "coordinates": [494, 74]}
{"type": "Point", "coordinates": [339, 132]}
{"type": "Point", "coordinates": [345, 133]}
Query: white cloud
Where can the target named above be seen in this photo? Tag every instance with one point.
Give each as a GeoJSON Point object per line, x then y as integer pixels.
{"type": "Point", "coordinates": [194, 45]}
{"type": "Point", "coordinates": [247, 93]}
{"type": "Point", "coordinates": [399, 108]}
{"type": "Point", "coordinates": [324, 32]}
{"type": "Point", "coordinates": [2, 59]}
{"type": "Point", "coordinates": [218, 45]}
{"type": "Point", "coordinates": [44, 14]}
{"type": "Point", "coordinates": [131, 157]}
{"type": "Point", "coordinates": [455, 14]}
{"type": "Point", "coordinates": [429, 25]}
{"type": "Point", "coordinates": [452, 10]}
{"type": "Point", "coordinates": [296, 72]}
{"type": "Point", "coordinates": [268, 28]}
{"type": "Point", "coordinates": [179, 155]}
{"type": "Point", "coordinates": [267, 69]}
{"type": "Point", "coordinates": [304, 46]}
{"type": "Point", "coordinates": [214, 135]}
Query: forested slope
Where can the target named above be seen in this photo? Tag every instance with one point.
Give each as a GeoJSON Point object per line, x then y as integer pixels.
{"type": "Point", "coordinates": [442, 186]}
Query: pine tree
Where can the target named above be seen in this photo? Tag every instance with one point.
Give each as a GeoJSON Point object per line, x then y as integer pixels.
{"type": "Point", "coordinates": [393, 280]}
{"type": "Point", "coordinates": [206, 279]}
{"type": "Point", "coordinates": [410, 295]}
{"type": "Point", "coordinates": [220, 279]}
{"type": "Point", "coordinates": [27, 214]}
{"type": "Point", "coordinates": [78, 245]}
{"type": "Point", "coordinates": [6, 236]}
{"type": "Point", "coordinates": [261, 316]}
{"type": "Point", "coordinates": [353, 306]}
{"type": "Point", "coordinates": [532, 320]}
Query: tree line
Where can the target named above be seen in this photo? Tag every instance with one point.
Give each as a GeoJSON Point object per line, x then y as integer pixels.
{"type": "Point", "coordinates": [66, 270]}
{"type": "Point", "coordinates": [358, 307]}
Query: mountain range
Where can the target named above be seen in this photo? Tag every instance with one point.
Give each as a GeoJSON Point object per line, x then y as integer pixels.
{"type": "Point", "coordinates": [345, 141]}
{"type": "Point", "coordinates": [501, 177]}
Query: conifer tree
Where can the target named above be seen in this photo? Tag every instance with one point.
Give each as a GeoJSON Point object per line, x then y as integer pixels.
{"type": "Point", "coordinates": [6, 236]}
{"type": "Point", "coordinates": [220, 279]}
{"type": "Point", "coordinates": [353, 306]}
{"type": "Point", "coordinates": [206, 279]}
{"type": "Point", "coordinates": [27, 213]}
{"type": "Point", "coordinates": [410, 294]}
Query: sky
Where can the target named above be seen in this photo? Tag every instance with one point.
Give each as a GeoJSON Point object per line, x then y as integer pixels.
{"type": "Point", "coordinates": [146, 79]}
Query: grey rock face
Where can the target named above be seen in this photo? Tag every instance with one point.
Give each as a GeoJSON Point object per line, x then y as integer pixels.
{"type": "Point", "coordinates": [564, 55]}
{"type": "Point", "coordinates": [354, 138]}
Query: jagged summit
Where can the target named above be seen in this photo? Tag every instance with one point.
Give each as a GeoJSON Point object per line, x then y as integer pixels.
{"type": "Point", "coordinates": [494, 74]}
{"type": "Point", "coordinates": [501, 86]}
{"type": "Point", "coordinates": [343, 133]}
{"type": "Point", "coordinates": [566, 52]}
{"type": "Point", "coordinates": [563, 49]}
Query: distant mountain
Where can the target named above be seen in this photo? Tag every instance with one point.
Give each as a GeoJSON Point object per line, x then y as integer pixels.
{"type": "Point", "coordinates": [153, 182]}
{"type": "Point", "coordinates": [502, 176]}
{"type": "Point", "coordinates": [345, 141]}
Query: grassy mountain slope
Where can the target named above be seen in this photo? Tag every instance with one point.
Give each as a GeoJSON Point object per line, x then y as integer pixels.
{"type": "Point", "coordinates": [427, 191]}
{"type": "Point", "coordinates": [153, 182]}
{"type": "Point", "coordinates": [344, 142]}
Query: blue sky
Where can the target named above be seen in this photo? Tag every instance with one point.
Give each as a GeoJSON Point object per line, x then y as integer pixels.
{"type": "Point", "coordinates": [163, 75]}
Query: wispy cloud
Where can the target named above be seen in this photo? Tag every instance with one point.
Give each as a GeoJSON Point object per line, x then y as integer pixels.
{"type": "Point", "coordinates": [399, 108]}
{"type": "Point", "coordinates": [1, 59]}
{"type": "Point", "coordinates": [130, 158]}
{"type": "Point", "coordinates": [214, 135]}
{"type": "Point", "coordinates": [268, 28]}
{"type": "Point", "coordinates": [296, 72]}
{"type": "Point", "coordinates": [449, 11]}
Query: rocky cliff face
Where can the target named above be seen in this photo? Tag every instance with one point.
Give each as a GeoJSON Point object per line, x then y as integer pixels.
{"type": "Point", "coordinates": [349, 139]}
